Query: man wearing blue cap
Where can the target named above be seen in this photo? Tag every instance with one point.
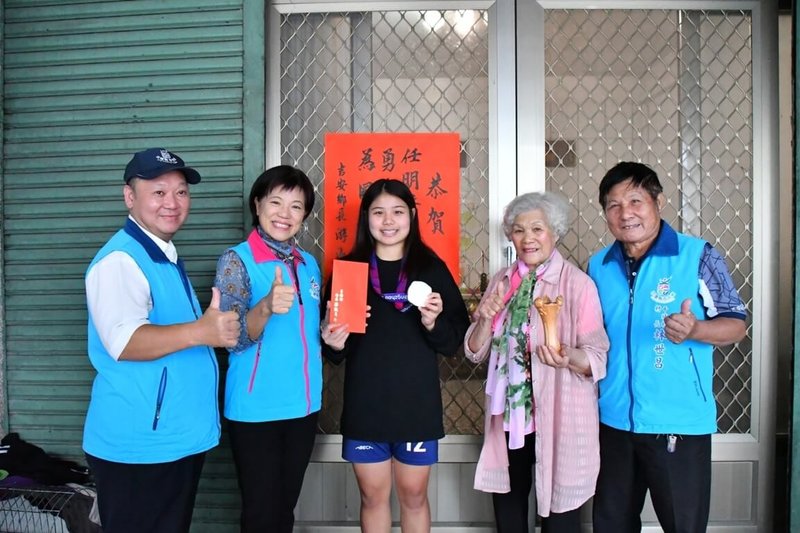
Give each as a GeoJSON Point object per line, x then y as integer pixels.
{"type": "Point", "coordinates": [153, 412]}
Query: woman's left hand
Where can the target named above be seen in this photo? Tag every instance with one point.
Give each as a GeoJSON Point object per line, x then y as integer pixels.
{"type": "Point", "coordinates": [432, 308]}
{"type": "Point", "coordinates": [334, 335]}
{"type": "Point", "coordinates": [552, 357]}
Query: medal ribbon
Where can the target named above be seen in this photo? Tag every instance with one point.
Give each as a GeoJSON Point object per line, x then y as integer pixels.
{"type": "Point", "coordinates": [399, 297]}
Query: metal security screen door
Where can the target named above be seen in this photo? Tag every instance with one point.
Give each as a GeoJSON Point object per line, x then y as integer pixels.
{"type": "Point", "coordinates": [678, 85]}
{"type": "Point", "coordinates": [676, 89]}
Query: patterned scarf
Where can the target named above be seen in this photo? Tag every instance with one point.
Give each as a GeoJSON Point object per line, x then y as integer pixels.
{"type": "Point", "coordinates": [512, 388]}
{"type": "Point", "coordinates": [283, 250]}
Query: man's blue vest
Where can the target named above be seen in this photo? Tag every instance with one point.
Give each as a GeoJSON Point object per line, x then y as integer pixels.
{"type": "Point", "coordinates": [161, 410]}
{"type": "Point", "coordinates": [654, 385]}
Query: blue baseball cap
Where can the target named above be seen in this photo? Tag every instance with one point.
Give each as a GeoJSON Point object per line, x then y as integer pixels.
{"type": "Point", "coordinates": [154, 162]}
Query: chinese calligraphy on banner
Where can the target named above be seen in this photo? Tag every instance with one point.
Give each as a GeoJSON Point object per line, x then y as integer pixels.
{"type": "Point", "coordinates": [428, 163]}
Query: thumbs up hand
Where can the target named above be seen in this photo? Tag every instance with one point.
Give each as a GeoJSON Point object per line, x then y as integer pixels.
{"type": "Point", "coordinates": [680, 326]}
{"type": "Point", "coordinates": [219, 328]}
{"type": "Point", "coordinates": [215, 297]}
{"type": "Point", "coordinates": [280, 297]}
{"type": "Point", "coordinates": [492, 303]}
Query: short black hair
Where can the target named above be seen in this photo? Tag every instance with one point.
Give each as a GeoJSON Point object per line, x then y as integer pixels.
{"type": "Point", "coordinates": [281, 177]}
{"type": "Point", "coordinates": [640, 175]}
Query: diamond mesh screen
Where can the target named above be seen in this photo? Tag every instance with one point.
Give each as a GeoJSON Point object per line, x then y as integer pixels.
{"type": "Point", "coordinates": [393, 71]}
{"type": "Point", "coordinates": [672, 89]}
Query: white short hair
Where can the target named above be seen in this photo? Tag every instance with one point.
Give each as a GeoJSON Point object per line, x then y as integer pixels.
{"type": "Point", "coordinates": [555, 207]}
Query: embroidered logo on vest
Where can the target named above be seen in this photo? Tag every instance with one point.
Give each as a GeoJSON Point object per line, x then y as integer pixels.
{"type": "Point", "coordinates": [663, 293]}
{"type": "Point", "coordinates": [315, 289]}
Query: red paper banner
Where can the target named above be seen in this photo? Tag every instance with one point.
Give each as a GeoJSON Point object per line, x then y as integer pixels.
{"type": "Point", "coordinates": [428, 163]}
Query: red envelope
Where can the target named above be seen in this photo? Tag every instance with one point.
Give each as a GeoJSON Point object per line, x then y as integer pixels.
{"type": "Point", "coordinates": [348, 303]}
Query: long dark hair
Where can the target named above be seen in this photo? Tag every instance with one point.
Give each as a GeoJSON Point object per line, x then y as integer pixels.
{"type": "Point", "coordinates": [416, 253]}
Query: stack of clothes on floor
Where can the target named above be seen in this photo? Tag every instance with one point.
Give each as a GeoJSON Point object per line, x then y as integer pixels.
{"type": "Point", "coordinates": [42, 493]}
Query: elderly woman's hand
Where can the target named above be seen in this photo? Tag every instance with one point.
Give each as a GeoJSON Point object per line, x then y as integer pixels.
{"type": "Point", "coordinates": [566, 357]}
{"type": "Point", "coordinates": [493, 303]}
{"type": "Point", "coordinates": [552, 357]}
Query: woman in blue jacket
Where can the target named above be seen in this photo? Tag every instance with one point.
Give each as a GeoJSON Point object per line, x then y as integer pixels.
{"type": "Point", "coordinates": [274, 381]}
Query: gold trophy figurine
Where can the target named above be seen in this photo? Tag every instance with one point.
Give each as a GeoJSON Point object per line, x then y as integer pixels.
{"type": "Point", "coordinates": [549, 312]}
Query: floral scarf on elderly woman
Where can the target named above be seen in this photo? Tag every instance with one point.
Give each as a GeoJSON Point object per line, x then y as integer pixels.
{"type": "Point", "coordinates": [511, 389]}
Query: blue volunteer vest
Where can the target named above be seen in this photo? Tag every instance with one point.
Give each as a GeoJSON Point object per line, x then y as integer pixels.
{"type": "Point", "coordinates": [652, 384]}
{"type": "Point", "coordinates": [152, 411]}
{"type": "Point", "coordinates": [280, 376]}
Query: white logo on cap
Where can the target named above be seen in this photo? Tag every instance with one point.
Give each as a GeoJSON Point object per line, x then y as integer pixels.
{"type": "Point", "coordinates": [166, 157]}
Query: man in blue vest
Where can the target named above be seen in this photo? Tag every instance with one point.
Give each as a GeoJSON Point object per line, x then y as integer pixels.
{"type": "Point", "coordinates": [153, 412]}
{"type": "Point", "coordinates": [667, 300]}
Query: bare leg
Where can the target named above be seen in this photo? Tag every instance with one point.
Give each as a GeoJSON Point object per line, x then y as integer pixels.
{"type": "Point", "coordinates": [412, 493]}
{"type": "Point", "coordinates": [375, 485]}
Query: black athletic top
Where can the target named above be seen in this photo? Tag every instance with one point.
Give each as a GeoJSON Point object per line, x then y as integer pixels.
{"type": "Point", "coordinates": [391, 384]}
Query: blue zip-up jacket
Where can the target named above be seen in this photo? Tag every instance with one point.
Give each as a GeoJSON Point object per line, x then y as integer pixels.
{"type": "Point", "coordinates": [652, 384]}
{"type": "Point", "coordinates": [279, 376]}
{"type": "Point", "coordinates": [153, 411]}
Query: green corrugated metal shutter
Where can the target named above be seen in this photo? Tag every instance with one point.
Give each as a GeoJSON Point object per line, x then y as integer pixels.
{"type": "Point", "coordinates": [86, 84]}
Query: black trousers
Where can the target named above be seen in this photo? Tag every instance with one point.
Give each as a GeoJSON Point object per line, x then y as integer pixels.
{"type": "Point", "coordinates": [271, 460]}
{"type": "Point", "coordinates": [679, 482]}
{"type": "Point", "coordinates": [146, 498]}
{"type": "Point", "coordinates": [511, 508]}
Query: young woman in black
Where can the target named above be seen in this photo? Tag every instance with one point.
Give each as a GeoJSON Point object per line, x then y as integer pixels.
{"type": "Point", "coordinates": [392, 415]}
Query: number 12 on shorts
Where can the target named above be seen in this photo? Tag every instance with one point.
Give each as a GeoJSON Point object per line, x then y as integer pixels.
{"type": "Point", "coordinates": [416, 447]}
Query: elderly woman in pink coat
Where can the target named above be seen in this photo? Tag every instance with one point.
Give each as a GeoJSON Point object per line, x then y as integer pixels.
{"type": "Point", "coordinates": [541, 400]}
